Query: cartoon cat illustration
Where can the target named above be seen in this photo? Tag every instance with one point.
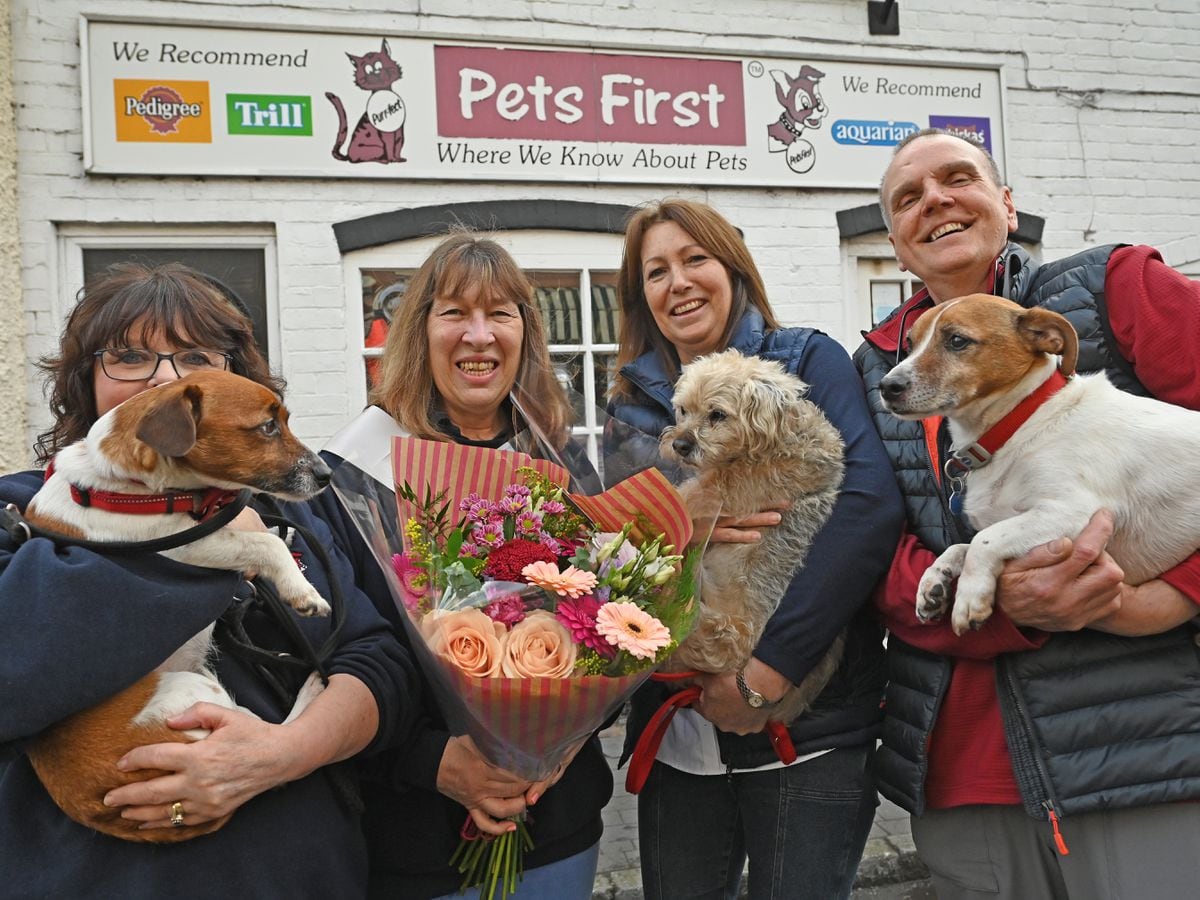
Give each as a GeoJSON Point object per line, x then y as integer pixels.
{"type": "Point", "coordinates": [802, 105]}
{"type": "Point", "coordinates": [379, 134]}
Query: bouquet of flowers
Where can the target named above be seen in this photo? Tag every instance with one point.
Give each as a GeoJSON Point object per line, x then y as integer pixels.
{"type": "Point", "coordinates": [534, 612]}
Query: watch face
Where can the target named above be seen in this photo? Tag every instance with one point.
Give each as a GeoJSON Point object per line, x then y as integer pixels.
{"type": "Point", "coordinates": [755, 700]}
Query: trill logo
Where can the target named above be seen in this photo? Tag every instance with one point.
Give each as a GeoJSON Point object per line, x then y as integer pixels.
{"type": "Point", "coordinates": [269, 114]}
{"type": "Point", "coordinates": [162, 111]}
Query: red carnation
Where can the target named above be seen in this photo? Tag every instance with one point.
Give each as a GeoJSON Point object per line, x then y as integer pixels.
{"type": "Point", "coordinates": [506, 561]}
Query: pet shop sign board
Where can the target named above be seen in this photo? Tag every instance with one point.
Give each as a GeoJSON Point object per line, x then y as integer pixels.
{"type": "Point", "coordinates": [191, 100]}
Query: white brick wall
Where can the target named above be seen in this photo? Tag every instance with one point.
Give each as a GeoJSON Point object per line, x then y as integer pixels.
{"type": "Point", "coordinates": [1103, 117]}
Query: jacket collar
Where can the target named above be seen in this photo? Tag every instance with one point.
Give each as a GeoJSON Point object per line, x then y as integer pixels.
{"type": "Point", "coordinates": [649, 374]}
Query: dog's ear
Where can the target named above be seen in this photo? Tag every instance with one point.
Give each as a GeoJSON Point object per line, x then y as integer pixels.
{"type": "Point", "coordinates": [170, 427]}
{"type": "Point", "coordinates": [1048, 332]}
{"type": "Point", "coordinates": [763, 405]}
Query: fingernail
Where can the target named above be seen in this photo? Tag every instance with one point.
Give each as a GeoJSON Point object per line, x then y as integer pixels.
{"type": "Point", "coordinates": [512, 827]}
{"type": "Point", "coordinates": [1057, 545]}
{"type": "Point", "coordinates": [534, 798]}
{"type": "Point", "coordinates": [122, 765]}
{"type": "Point", "coordinates": [107, 800]}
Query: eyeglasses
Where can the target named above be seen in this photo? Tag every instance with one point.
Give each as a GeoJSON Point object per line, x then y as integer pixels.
{"type": "Point", "coordinates": [131, 364]}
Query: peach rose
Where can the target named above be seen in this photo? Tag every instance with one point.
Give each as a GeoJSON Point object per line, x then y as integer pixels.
{"type": "Point", "coordinates": [468, 639]}
{"type": "Point", "coordinates": [538, 647]}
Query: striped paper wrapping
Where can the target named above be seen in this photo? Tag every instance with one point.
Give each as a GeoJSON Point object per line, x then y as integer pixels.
{"type": "Point", "coordinates": [527, 725]}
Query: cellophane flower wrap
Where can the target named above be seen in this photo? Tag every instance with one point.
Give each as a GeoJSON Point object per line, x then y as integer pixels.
{"type": "Point", "coordinates": [534, 611]}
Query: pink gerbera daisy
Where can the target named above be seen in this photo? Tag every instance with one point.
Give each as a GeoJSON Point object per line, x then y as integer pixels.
{"type": "Point", "coordinates": [632, 629]}
{"type": "Point", "coordinates": [570, 582]}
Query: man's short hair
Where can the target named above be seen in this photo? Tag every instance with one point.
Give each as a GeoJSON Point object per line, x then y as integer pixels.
{"type": "Point", "coordinates": [993, 170]}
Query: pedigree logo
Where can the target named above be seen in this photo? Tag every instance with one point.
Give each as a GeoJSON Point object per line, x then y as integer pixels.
{"type": "Point", "coordinates": [162, 111]}
{"type": "Point", "coordinates": [564, 95]}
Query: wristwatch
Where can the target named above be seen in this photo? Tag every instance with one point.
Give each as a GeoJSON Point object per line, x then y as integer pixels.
{"type": "Point", "coordinates": [753, 698]}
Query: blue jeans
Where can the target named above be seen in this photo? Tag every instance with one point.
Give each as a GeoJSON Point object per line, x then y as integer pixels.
{"type": "Point", "coordinates": [803, 827]}
{"type": "Point", "coordinates": [568, 879]}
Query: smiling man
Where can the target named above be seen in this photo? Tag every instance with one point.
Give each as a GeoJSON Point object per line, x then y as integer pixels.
{"type": "Point", "coordinates": [1066, 783]}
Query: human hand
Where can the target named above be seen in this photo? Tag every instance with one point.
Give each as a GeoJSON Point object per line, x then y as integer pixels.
{"type": "Point", "coordinates": [242, 757]}
{"type": "Point", "coordinates": [1064, 585]}
{"type": "Point", "coordinates": [723, 704]}
{"type": "Point", "coordinates": [538, 788]}
{"type": "Point", "coordinates": [743, 530]}
{"type": "Point", "coordinates": [489, 793]}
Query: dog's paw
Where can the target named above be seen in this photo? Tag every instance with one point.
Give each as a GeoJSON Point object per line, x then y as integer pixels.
{"type": "Point", "coordinates": [973, 605]}
{"type": "Point", "coordinates": [934, 593]}
{"type": "Point", "coordinates": [309, 602]}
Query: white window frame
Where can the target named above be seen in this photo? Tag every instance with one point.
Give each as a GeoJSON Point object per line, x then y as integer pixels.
{"type": "Point", "coordinates": [534, 250]}
{"type": "Point", "coordinates": [73, 239]}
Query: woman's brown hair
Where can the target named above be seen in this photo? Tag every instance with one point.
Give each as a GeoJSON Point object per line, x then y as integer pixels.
{"type": "Point", "coordinates": [639, 332]}
{"type": "Point", "coordinates": [461, 262]}
{"type": "Point", "coordinates": [186, 307]}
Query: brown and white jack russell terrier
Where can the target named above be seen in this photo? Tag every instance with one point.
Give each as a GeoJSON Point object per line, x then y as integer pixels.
{"type": "Point", "coordinates": [187, 446]}
{"type": "Point", "coordinates": [1038, 450]}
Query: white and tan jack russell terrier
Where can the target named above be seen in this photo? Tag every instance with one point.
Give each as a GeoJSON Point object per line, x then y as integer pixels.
{"type": "Point", "coordinates": [1038, 450]}
{"type": "Point", "coordinates": [151, 467]}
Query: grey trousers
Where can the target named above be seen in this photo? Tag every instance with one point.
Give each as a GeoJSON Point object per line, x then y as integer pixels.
{"type": "Point", "coordinates": [1147, 853]}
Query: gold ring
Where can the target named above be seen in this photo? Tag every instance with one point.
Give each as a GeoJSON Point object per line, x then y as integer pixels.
{"type": "Point", "coordinates": [177, 813]}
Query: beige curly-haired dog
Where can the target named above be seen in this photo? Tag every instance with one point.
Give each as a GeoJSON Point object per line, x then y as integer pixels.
{"type": "Point", "coordinates": [744, 425]}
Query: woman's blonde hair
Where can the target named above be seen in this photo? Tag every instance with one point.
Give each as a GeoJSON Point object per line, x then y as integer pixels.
{"type": "Point", "coordinates": [462, 262]}
{"type": "Point", "coordinates": [712, 231]}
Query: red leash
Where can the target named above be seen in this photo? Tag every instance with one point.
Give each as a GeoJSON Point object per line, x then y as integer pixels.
{"type": "Point", "coordinates": [646, 749]}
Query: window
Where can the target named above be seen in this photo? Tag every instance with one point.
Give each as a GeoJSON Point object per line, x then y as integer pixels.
{"type": "Point", "coordinates": [574, 276]}
{"type": "Point", "coordinates": [243, 261]}
{"type": "Point", "coordinates": [884, 286]}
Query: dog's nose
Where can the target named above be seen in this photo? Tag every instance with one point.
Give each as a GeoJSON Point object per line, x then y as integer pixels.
{"type": "Point", "coordinates": [893, 386]}
{"type": "Point", "coordinates": [683, 446]}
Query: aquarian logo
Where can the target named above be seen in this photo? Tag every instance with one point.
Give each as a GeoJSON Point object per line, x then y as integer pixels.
{"type": "Point", "coordinates": [269, 114]}
{"type": "Point", "coordinates": [162, 111]}
{"type": "Point", "coordinates": [866, 133]}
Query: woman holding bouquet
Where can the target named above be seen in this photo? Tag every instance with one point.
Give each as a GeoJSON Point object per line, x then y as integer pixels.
{"type": "Point", "coordinates": [466, 349]}
{"type": "Point", "coordinates": [78, 627]}
{"type": "Point", "coordinates": [717, 792]}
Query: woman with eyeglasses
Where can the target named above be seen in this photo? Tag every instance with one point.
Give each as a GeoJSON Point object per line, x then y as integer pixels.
{"type": "Point", "coordinates": [76, 627]}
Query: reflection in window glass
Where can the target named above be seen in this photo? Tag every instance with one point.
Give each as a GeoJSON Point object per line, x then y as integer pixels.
{"type": "Point", "coordinates": [383, 289]}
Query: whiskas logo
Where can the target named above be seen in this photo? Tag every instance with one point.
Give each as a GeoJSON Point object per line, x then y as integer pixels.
{"type": "Point", "coordinates": [866, 133]}
{"type": "Point", "coordinates": [972, 128]}
{"type": "Point", "coordinates": [162, 111]}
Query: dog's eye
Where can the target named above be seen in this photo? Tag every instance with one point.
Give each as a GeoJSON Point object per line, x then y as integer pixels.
{"type": "Point", "coordinates": [957, 342]}
{"type": "Point", "coordinates": [716, 416]}
{"type": "Point", "coordinates": [270, 428]}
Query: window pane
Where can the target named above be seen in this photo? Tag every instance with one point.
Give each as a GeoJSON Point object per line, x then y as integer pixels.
{"type": "Point", "coordinates": [242, 269]}
{"type": "Point", "coordinates": [568, 368]}
{"type": "Point", "coordinates": [383, 289]}
{"type": "Point", "coordinates": [605, 371]}
{"type": "Point", "coordinates": [557, 295]}
{"type": "Point", "coordinates": [606, 313]}
{"type": "Point", "coordinates": [885, 297]}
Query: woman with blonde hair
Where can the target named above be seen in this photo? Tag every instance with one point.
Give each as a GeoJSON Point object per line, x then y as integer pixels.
{"type": "Point", "coordinates": [465, 360]}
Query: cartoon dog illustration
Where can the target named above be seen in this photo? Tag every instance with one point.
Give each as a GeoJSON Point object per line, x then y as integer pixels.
{"type": "Point", "coordinates": [802, 105]}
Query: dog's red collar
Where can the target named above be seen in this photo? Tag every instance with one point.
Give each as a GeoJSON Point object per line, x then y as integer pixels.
{"type": "Point", "coordinates": [199, 504]}
{"type": "Point", "coordinates": [966, 459]}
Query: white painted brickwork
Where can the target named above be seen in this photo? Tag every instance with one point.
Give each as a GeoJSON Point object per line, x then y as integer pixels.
{"type": "Point", "coordinates": [1102, 115]}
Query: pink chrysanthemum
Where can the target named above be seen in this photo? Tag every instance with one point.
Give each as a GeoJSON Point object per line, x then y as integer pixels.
{"type": "Point", "coordinates": [507, 610]}
{"type": "Point", "coordinates": [529, 523]}
{"type": "Point", "coordinates": [579, 618]}
{"type": "Point", "coordinates": [489, 535]}
{"type": "Point", "coordinates": [570, 582]}
{"type": "Point", "coordinates": [553, 508]}
{"type": "Point", "coordinates": [632, 629]}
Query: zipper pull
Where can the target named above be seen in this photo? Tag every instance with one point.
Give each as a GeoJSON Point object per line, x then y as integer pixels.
{"type": "Point", "coordinates": [1058, 838]}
